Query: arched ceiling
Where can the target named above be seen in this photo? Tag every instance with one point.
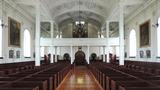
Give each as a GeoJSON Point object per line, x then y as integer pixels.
{"type": "Point", "coordinates": [82, 16]}
{"type": "Point", "coordinates": [87, 10]}
{"type": "Point", "coordinates": [91, 10]}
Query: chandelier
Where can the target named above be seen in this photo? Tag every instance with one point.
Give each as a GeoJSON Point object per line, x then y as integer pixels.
{"type": "Point", "coordinates": [80, 30]}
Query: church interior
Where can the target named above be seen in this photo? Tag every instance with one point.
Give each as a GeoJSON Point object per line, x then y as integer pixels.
{"type": "Point", "coordinates": [79, 45]}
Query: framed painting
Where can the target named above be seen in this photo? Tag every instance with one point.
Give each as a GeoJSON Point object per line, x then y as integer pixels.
{"type": "Point", "coordinates": [145, 34]}
{"type": "Point", "coordinates": [148, 53]}
{"type": "Point", "coordinates": [141, 54]}
{"type": "Point", "coordinates": [11, 53]}
{"type": "Point", "coordinates": [17, 54]}
{"type": "Point", "coordinates": [14, 32]}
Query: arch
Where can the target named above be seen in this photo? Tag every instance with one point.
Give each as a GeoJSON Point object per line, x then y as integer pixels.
{"type": "Point", "coordinates": [1, 38]}
{"type": "Point", "coordinates": [80, 58]}
{"type": "Point", "coordinates": [27, 43]}
{"type": "Point", "coordinates": [132, 43]}
{"type": "Point", "coordinates": [158, 38]}
{"type": "Point", "coordinates": [93, 56]}
{"type": "Point", "coordinates": [66, 56]}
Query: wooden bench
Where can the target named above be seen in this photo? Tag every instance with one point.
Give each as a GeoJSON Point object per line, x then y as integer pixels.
{"type": "Point", "coordinates": [24, 84]}
{"type": "Point", "coordinates": [114, 74]}
{"type": "Point", "coordinates": [46, 77]}
{"type": "Point", "coordinates": [110, 81]}
{"type": "Point", "coordinates": [139, 88]}
{"type": "Point", "coordinates": [52, 76]}
{"type": "Point", "coordinates": [131, 84]}
{"type": "Point", "coordinates": [49, 81]}
{"type": "Point", "coordinates": [12, 88]}
{"type": "Point", "coordinates": [11, 68]}
{"type": "Point", "coordinates": [118, 81]}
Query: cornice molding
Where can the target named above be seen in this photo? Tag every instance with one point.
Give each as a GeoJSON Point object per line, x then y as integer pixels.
{"type": "Point", "coordinates": [143, 7]}
{"type": "Point", "coordinates": [20, 10]}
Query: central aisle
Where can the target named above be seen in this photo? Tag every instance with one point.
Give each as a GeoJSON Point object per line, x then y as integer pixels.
{"type": "Point", "coordinates": [79, 79]}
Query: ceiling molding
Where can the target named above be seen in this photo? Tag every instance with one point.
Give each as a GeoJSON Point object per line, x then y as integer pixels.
{"type": "Point", "coordinates": [46, 10]}
{"type": "Point", "coordinates": [74, 16]}
{"type": "Point", "coordinates": [22, 11]}
{"type": "Point", "coordinates": [132, 2]}
{"type": "Point", "coordinates": [143, 7]}
{"type": "Point", "coordinates": [97, 2]}
{"type": "Point", "coordinates": [65, 10]}
{"type": "Point", "coordinates": [26, 2]}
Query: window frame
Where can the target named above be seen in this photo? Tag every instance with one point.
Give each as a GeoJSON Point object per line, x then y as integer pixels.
{"type": "Point", "coordinates": [24, 43]}
{"type": "Point", "coordinates": [132, 32]}
{"type": "Point", "coordinates": [1, 37]}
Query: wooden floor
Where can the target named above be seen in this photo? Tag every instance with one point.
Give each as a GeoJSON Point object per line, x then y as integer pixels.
{"type": "Point", "coordinates": [79, 79]}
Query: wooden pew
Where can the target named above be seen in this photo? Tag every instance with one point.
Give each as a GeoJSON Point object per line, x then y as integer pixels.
{"type": "Point", "coordinates": [110, 81]}
{"type": "Point", "coordinates": [139, 88]}
{"type": "Point", "coordinates": [149, 67]}
{"type": "Point", "coordinates": [116, 81]}
{"type": "Point", "coordinates": [117, 71]}
{"type": "Point", "coordinates": [131, 84]}
{"type": "Point", "coordinates": [11, 68]}
{"type": "Point", "coordinates": [53, 82]}
{"type": "Point", "coordinates": [49, 81]}
{"type": "Point", "coordinates": [25, 84]}
{"type": "Point", "coordinates": [12, 88]}
{"type": "Point", "coordinates": [43, 78]}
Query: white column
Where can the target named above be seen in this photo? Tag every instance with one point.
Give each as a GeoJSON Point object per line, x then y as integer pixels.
{"type": "Point", "coordinates": [37, 36]}
{"type": "Point", "coordinates": [121, 33]}
{"type": "Point", "coordinates": [56, 54]}
{"type": "Point", "coordinates": [107, 44]}
{"type": "Point", "coordinates": [104, 54]}
{"type": "Point", "coordinates": [114, 50]}
{"type": "Point", "coordinates": [60, 48]}
{"type": "Point", "coordinates": [52, 48]}
{"type": "Point", "coordinates": [72, 55]}
{"type": "Point", "coordinates": [88, 54]}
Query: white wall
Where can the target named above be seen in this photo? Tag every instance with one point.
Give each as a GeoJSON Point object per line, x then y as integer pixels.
{"type": "Point", "coordinates": [13, 12]}
{"type": "Point", "coordinates": [150, 13]}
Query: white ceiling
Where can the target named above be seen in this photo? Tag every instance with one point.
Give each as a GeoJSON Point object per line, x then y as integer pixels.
{"type": "Point", "coordinates": [91, 10]}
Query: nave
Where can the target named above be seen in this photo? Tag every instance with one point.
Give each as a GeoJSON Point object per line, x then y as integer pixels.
{"type": "Point", "coordinates": [97, 75]}
{"type": "Point", "coordinates": [80, 78]}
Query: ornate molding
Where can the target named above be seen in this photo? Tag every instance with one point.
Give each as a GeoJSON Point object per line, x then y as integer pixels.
{"type": "Point", "coordinates": [23, 12]}
{"type": "Point", "coordinates": [143, 7]}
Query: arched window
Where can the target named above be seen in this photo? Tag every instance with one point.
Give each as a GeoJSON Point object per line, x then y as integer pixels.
{"type": "Point", "coordinates": [42, 51]}
{"type": "Point", "coordinates": [158, 38]}
{"type": "Point", "coordinates": [132, 43]}
{"type": "Point", "coordinates": [27, 44]}
{"type": "Point", "coordinates": [0, 38]}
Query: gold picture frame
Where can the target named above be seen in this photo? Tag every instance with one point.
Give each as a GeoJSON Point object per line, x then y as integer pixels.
{"type": "Point", "coordinates": [145, 34]}
{"type": "Point", "coordinates": [14, 32]}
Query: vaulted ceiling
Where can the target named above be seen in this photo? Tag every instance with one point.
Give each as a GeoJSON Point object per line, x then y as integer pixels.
{"type": "Point", "coordinates": [93, 11]}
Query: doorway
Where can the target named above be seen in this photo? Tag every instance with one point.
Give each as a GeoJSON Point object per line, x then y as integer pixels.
{"type": "Point", "coordinates": [80, 58]}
